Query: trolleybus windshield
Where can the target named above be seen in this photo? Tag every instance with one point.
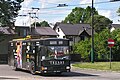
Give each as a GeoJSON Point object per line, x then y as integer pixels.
{"type": "Point", "coordinates": [57, 51]}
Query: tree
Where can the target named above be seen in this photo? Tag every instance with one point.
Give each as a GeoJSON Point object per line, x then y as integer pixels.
{"type": "Point", "coordinates": [79, 15]}
{"type": "Point", "coordinates": [100, 22]}
{"type": "Point", "coordinates": [41, 24]}
{"type": "Point", "coordinates": [116, 49]}
{"type": "Point", "coordinates": [8, 11]}
{"type": "Point", "coordinates": [37, 24]}
{"type": "Point", "coordinates": [83, 48]}
{"type": "Point", "coordinates": [118, 12]}
{"type": "Point", "coordinates": [44, 24]}
{"type": "Point", "coordinates": [101, 48]}
{"type": "Point", "coordinates": [101, 45]}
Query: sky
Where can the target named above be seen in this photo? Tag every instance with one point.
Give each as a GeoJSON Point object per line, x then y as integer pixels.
{"type": "Point", "coordinates": [49, 11]}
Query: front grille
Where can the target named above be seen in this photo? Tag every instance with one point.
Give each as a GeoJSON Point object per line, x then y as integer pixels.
{"type": "Point", "coordinates": [53, 68]}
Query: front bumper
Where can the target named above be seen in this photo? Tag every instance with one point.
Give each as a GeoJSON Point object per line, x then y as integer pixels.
{"type": "Point", "coordinates": [56, 69]}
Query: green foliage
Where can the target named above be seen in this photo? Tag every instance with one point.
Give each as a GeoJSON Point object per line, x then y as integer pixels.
{"type": "Point", "coordinates": [100, 45]}
{"type": "Point", "coordinates": [37, 24]}
{"type": "Point", "coordinates": [79, 15]}
{"type": "Point", "coordinates": [41, 24]}
{"type": "Point", "coordinates": [44, 24]}
{"type": "Point", "coordinates": [8, 11]}
{"type": "Point", "coordinates": [83, 48]}
{"type": "Point", "coordinates": [116, 49]}
{"type": "Point", "coordinates": [101, 48]}
{"type": "Point", "coordinates": [100, 23]}
{"type": "Point", "coordinates": [118, 12]}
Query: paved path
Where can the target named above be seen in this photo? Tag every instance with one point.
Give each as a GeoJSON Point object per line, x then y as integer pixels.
{"type": "Point", "coordinates": [6, 73]}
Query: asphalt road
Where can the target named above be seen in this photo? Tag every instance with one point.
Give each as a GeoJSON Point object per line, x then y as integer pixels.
{"type": "Point", "coordinates": [6, 73]}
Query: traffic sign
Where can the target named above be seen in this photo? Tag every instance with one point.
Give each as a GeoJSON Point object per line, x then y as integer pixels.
{"type": "Point", "coordinates": [111, 42]}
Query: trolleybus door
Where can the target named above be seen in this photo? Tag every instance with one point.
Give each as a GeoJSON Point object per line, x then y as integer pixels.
{"type": "Point", "coordinates": [38, 56]}
{"type": "Point", "coordinates": [24, 55]}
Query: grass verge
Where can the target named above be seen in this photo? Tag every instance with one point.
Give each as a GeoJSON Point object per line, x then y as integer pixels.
{"type": "Point", "coordinates": [115, 66]}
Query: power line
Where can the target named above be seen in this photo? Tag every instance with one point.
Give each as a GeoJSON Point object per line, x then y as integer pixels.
{"type": "Point", "coordinates": [90, 3]}
{"type": "Point", "coordinates": [56, 8]}
{"type": "Point", "coordinates": [81, 4]}
{"type": "Point", "coordinates": [51, 3]}
{"type": "Point", "coordinates": [72, 5]}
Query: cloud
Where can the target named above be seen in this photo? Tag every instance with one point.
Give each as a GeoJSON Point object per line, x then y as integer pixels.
{"type": "Point", "coordinates": [106, 13]}
{"type": "Point", "coordinates": [84, 1]}
{"type": "Point", "coordinates": [26, 3]}
{"type": "Point", "coordinates": [54, 20]}
{"type": "Point", "coordinates": [42, 2]}
{"type": "Point", "coordinates": [116, 20]}
{"type": "Point", "coordinates": [63, 11]}
{"type": "Point", "coordinates": [111, 15]}
{"type": "Point", "coordinates": [58, 1]}
{"type": "Point", "coordinates": [88, 1]}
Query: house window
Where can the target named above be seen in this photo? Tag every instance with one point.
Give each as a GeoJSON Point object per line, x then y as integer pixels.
{"type": "Point", "coordinates": [82, 37]}
{"type": "Point", "coordinates": [63, 36]}
{"type": "Point", "coordinates": [24, 33]}
{"type": "Point", "coordinates": [58, 29]}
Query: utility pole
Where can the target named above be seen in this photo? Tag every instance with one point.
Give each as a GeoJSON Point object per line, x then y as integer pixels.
{"type": "Point", "coordinates": [30, 23]}
{"type": "Point", "coordinates": [92, 24]}
{"type": "Point", "coordinates": [35, 14]}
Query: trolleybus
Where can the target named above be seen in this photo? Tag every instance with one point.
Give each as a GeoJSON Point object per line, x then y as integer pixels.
{"type": "Point", "coordinates": [48, 55]}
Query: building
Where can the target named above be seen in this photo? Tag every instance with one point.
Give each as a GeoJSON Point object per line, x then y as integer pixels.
{"type": "Point", "coordinates": [6, 34]}
{"type": "Point", "coordinates": [74, 32]}
{"type": "Point", "coordinates": [23, 31]}
{"type": "Point", "coordinates": [114, 26]}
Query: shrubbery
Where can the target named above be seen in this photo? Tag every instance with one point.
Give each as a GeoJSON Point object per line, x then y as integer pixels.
{"type": "Point", "coordinates": [101, 49]}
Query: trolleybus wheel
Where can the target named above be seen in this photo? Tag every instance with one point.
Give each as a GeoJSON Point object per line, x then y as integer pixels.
{"type": "Point", "coordinates": [32, 68]}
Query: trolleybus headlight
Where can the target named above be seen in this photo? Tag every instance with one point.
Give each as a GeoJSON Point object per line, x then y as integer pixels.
{"type": "Point", "coordinates": [65, 57]}
{"type": "Point", "coordinates": [44, 68]}
{"type": "Point", "coordinates": [68, 67]}
{"type": "Point", "coordinates": [45, 71]}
